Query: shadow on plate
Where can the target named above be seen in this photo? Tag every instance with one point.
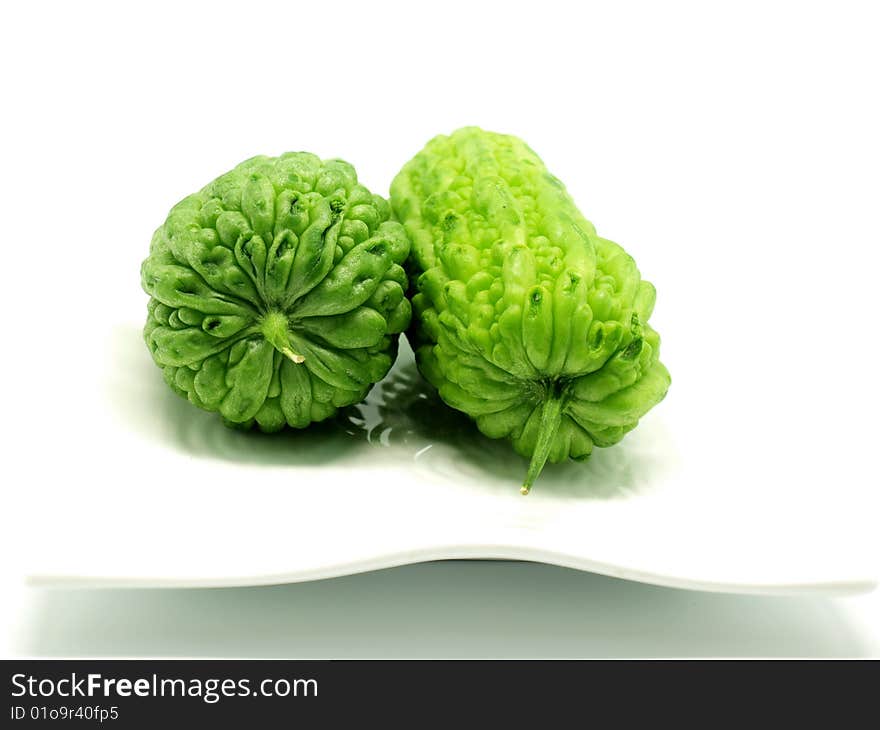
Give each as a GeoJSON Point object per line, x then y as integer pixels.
{"type": "Point", "coordinates": [145, 404]}
{"type": "Point", "coordinates": [403, 414]}
{"type": "Point", "coordinates": [442, 609]}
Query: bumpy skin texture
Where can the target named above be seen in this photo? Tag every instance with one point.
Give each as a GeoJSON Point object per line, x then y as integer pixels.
{"type": "Point", "coordinates": [523, 317]}
{"type": "Point", "coordinates": [277, 292]}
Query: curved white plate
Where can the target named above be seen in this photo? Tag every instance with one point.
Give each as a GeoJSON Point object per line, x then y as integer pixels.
{"type": "Point", "coordinates": [165, 495]}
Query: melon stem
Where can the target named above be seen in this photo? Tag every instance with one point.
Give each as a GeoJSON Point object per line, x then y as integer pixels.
{"type": "Point", "coordinates": [295, 356]}
{"type": "Point", "coordinates": [275, 330]}
{"type": "Point", "coordinates": [551, 417]}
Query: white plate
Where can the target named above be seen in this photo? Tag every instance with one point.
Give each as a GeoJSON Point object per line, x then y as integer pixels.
{"type": "Point", "coordinates": [158, 493]}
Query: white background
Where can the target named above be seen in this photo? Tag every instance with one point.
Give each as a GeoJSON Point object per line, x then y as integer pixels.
{"type": "Point", "coordinates": [731, 144]}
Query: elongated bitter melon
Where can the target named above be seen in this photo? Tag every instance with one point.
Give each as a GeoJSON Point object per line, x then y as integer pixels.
{"type": "Point", "coordinates": [523, 317]}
